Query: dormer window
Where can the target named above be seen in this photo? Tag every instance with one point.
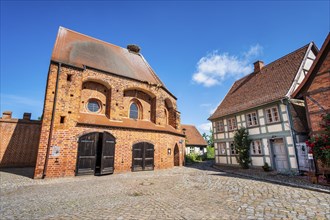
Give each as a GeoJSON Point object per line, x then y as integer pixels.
{"type": "Point", "coordinates": [134, 111]}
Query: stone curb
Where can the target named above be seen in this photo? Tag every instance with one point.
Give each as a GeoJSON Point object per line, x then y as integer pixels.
{"type": "Point", "coordinates": [274, 181]}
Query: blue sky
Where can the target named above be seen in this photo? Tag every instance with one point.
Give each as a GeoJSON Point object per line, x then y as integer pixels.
{"type": "Point", "coordinates": [197, 48]}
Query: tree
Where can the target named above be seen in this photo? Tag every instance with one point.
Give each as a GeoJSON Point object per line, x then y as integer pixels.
{"type": "Point", "coordinates": [209, 138]}
{"type": "Point", "coordinates": [242, 146]}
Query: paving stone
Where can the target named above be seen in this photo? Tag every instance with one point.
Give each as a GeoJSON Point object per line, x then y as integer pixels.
{"type": "Point", "coordinates": [195, 192]}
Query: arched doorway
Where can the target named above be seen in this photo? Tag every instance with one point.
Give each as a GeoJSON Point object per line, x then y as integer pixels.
{"type": "Point", "coordinates": [96, 154]}
{"type": "Point", "coordinates": [143, 156]}
{"type": "Point", "coordinates": [176, 155]}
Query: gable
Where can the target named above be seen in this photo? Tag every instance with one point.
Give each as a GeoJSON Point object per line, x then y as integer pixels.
{"type": "Point", "coordinates": [271, 83]}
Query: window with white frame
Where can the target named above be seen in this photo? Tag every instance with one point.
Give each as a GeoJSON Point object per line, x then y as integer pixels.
{"type": "Point", "coordinates": [232, 125]}
{"type": "Point", "coordinates": [192, 150]}
{"type": "Point", "coordinates": [272, 115]}
{"type": "Point", "coordinates": [219, 126]}
{"type": "Point", "coordinates": [222, 148]}
{"type": "Point", "coordinates": [251, 119]}
{"type": "Point", "coordinates": [233, 150]}
{"type": "Point", "coordinates": [256, 147]}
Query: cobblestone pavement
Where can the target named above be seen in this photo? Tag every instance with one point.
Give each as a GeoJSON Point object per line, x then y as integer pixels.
{"type": "Point", "coordinates": [198, 192]}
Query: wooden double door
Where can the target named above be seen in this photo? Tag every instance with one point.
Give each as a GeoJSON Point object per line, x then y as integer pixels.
{"type": "Point", "coordinates": [143, 156]}
{"type": "Point", "coordinates": [96, 154]}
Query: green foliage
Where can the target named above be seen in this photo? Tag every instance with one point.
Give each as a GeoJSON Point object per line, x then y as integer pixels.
{"type": "Point", "coordinates": [193, 158]}
{"type": "Point", "coordinates": [210, 152]}
{"type": "Point", "coordinates": [319, 144]}
{"type": "Point", "coordinates": [242, 146]}
{"type": "Point", "coordinates": [209, 138]}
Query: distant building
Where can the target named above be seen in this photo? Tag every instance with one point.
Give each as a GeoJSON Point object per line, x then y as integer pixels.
{"type": "Point", "coordinates": [195, 143]}
{"type": "Point", "coordinates": [105, 111]}
{"type": "Point", "coordinates": [261, 102]}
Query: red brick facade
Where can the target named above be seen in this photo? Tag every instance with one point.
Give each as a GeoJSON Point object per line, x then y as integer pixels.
{"type": "Point", "coordinates": [158, 122]}
{"type": "Point", "coordinates": [19, 141]}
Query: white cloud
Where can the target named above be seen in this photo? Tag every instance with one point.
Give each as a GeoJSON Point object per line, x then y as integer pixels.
{"type": "Point", "coordinates": [205, 127]}
{"type": "Point", "coordinates": [216, 67]}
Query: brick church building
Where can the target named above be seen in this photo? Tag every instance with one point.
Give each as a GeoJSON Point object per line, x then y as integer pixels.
{"type": "Point", "coordinates": [105, 111]}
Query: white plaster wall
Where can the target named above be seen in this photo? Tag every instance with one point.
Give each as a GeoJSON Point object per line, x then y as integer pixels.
{"type": "Point", "coordinates": [274, 128]}
{"type": "Point", "coordinates": [231, 134]}
{"type": "Point", "coordinates": [257, 161]}
{"type": "Point", "coordinates": [262, 121]}
{"type": "Point", "coordinates": [282, 107]}
{"type": "Point", "coordinates": [243, 117]}
{"type": "Point", "coordinates": [267, 160]}
{"type": "Point", "coordinates": [289, 140]}
{"type": "Point", "coordinates": [233, 160]}
{"type": "Point", "coordinates": [286, 126]}
{"type": "Point", "coordinates": [266, 146]}
{"type": "Point", "coordinates": [263, 129]}
{"type": "Point", "coordinates": [223, 160]}
{"type": "Point", "coordinates": [238, 119]}
{"type": "Point", "coordinates": [285, 117]}
{"type": "Point", "coordinates": [260, 113]}
{"type": "Point", "coordinates": [291, 151]}
{"type": "Point", "coordinates": [221, 136]}
{"type": "Point", "coordinates": [293, 163]}
{"type": "Point", "coordinates": [244, 124]}
{"type": "Point", "coordinates": [253, 131]}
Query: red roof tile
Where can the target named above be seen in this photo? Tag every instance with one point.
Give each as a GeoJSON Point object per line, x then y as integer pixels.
{"type": "Point", "coordinates": [269, 84]}
{"type": "Point", "coordinates": [80, 50]}
{"type": "Point", "coordinates": [193, 136]}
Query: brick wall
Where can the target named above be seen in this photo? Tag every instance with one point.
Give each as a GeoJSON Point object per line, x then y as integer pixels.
{"type": "Point", "coordinates": [19, 141]}
{"type": "Point", "coordinates": [317, 98]}
{"type": "Point", "coordinates": [71, 103]}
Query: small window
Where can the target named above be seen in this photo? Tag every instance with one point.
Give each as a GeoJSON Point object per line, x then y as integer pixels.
{"type": "Point", "coordinates": [219, 126]}
{"type": "Point", "coordinates": [69, 77]}
{"type": "Point", "coordinates": [272, 115]}
{"type": "Point", "coordinates": [134, 111]}
{"type": "Point", "coordinates": [256, 147]}
{"type": "Point", "coordinates": [232, 125]}
{"type": "Point", "coordinates": [93, 106]}
{"type": "Point", "coordinates": [232, 149]}
{"type": "Point", "coordinates": [192, 150]}
{"type": "Point", "coordinates": [252, 119]}
{"type": "Point", "coordinates": [62, 119]}
{"type": "Point", "coordinates": [222, 148]}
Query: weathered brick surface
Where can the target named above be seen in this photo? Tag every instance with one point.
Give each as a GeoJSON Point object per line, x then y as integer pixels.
{"type": "Point", "coordinates": [19, 142]}
{"type": "Point", "coordinates": [115, 93]}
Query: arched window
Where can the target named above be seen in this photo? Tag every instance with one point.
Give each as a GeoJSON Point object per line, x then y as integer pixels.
{"type": "Point", "coordinates": [93, 105]}
{"type": "Point", "coordinates": [134, 111]}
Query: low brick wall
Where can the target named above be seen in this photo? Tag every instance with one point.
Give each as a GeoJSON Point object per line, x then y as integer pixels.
{"type": "Point", "coordinates": [19, 140]}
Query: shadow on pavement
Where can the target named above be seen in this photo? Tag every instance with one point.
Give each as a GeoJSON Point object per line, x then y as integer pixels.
{"type": "Point", "coordinates": [25, 171]}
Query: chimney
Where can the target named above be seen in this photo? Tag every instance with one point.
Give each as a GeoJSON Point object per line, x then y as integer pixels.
{"type": "Point", "coordinates": [26, 116]}
{"type": "Point", "coordinates": [6, 115]}
{"type": "Point", "coordinates": [133, 48]}
{"type": "Point", "coordinates": [258, 66]}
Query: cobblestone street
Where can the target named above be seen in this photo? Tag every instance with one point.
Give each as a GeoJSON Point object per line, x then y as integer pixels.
{"type": "Point", "coordinates": [198, 192]}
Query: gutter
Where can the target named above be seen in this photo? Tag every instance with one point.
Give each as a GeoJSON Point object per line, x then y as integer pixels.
{"type": "Point", "coordinates": [52, 122]}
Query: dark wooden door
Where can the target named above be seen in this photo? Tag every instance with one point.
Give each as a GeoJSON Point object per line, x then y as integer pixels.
{"type": "Point", "coordinates": [143, 156]}
{"type": "Point", "coordinates": [87, 154]}
{"type": "Point", "coordinates": [96, 153]}
{"type": "Point", "coordinates": [108, 154]}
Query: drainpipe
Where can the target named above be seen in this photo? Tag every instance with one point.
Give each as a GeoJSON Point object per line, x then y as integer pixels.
{"type": "Point", "coordinates": [293, 133]}
{"type": "Point", "coordinates": [52, 121]}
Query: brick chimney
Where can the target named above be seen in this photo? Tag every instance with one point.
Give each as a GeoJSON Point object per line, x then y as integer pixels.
{"type": "Point", "coordinates": [26, 116]}
{"type": "Point", "coordinates": [6, 115]}
{"type": "Point", "coordinates": [258, 66]}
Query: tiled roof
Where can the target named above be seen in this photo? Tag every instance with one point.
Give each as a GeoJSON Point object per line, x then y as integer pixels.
{"type": "Point", "coordinates": [269, 84]}
{"type": "Point", "coordinates": [193, 136]}
{"type": "Point", "coordinates": [103, 121]}
{"type": "Point", "coordinates": [319, 60]}
{"type": "Point", "coordinates": [80, 50]}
